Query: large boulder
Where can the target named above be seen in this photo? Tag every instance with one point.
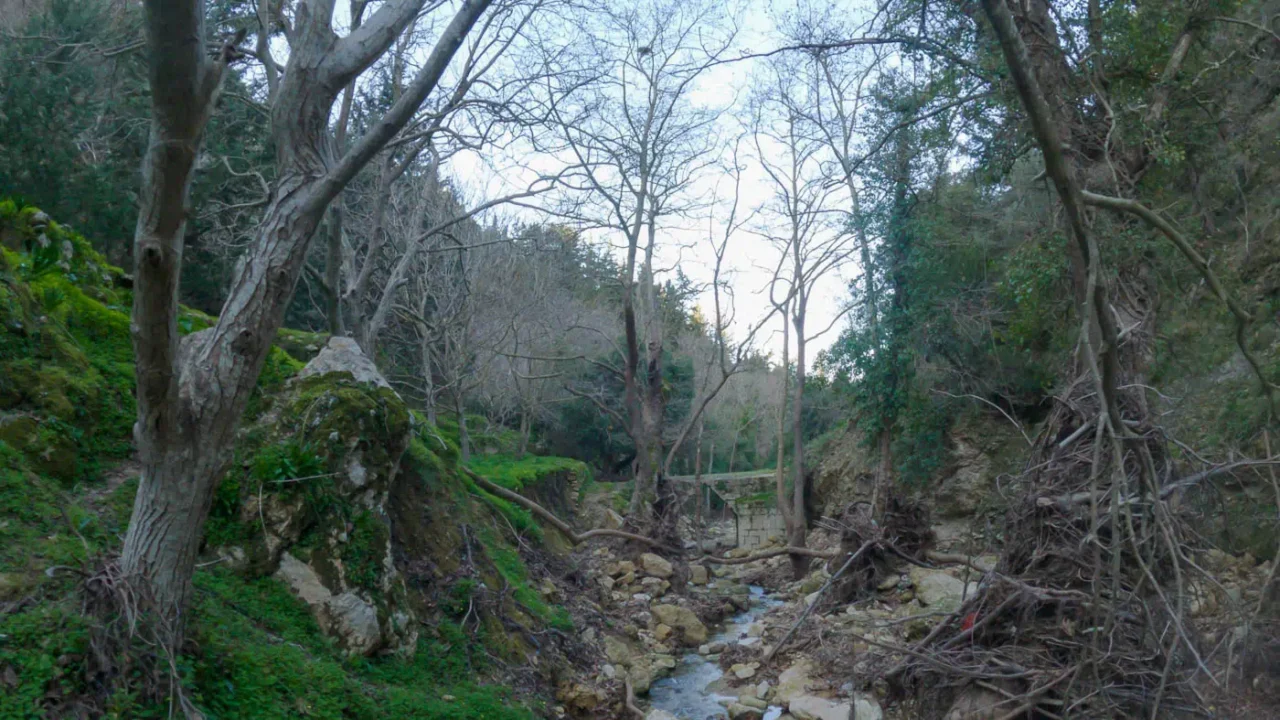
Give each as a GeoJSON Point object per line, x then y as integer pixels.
{"type": "Point", "coordinates": [312, 495]}
{"type": "Point", "coordinates": [343, 355]}
{"type": "Point", "coordinates": [692, 632]}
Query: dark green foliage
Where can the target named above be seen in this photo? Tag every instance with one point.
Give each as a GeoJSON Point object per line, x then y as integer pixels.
{"type": "Point", "coordinates": [74, 122]}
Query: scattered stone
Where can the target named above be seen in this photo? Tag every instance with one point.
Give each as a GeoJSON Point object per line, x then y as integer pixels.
{"type": "Point", "coordinates": [641, 678]}
{"type": "Point", "coordinates": [937, 590]}
{"type": "Point", "coordinates": [692, 631]}
{"type": "Point", "coordinates": [618, 652]}
{"type": "Point", "coordinates": [794, 682]}
{"type": "Point", "coordinates": [580, 697]}
{"type": "Point", "coordinates": [811, 707]}
{"type": "Point", "coordinates": [656, 566]}
{"type": "Point", "coordinates": [662, 632]}
{"type": "Point", "coordinates": [975, 703]}
{"type": "Point", "coordinates": [611, 520]}
{"type": "Point", "coordinates": [738, 711]}
{"type": "Point", "coordinates": [813, 582]}
{"type": "Point", "coordinates": [866, 707]}
{"type": "Point", "coordinates": [698, 575]}
{"type": "Point", "coordinates": [662, 662]}
{"type": "Point", "coordinates": [656, 587]}
{"type": "Point", "coordinates": [744, 671]}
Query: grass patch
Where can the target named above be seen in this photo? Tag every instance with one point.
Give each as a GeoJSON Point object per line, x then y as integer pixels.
{"type": "Point", "coordinates": [516, 473]}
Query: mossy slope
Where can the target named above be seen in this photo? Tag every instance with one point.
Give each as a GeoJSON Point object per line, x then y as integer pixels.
{"type": "Point", "coordinates": [255, 651]}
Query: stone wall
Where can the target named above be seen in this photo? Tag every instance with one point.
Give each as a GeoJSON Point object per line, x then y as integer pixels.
{"type": "Point", "coordinates": [757, 524]}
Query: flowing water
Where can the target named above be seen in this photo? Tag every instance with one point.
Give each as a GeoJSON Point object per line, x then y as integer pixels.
{"type": "Point", "coordinates": [689, 693]}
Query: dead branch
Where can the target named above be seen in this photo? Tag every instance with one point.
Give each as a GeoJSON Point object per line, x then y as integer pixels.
{"type": "Point", "coordinates": [1243, 318]}
{"type": "Point", "coordinates": [821, 591]}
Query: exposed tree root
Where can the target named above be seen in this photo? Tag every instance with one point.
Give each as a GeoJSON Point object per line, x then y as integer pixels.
{"type": "Point", "coordinates": [579, 538]}
{"type": "Point", "coordinates": [631, 699]}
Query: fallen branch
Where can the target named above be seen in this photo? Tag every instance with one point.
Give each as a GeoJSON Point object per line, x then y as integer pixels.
{"type": "Point", "coordinates": [821, 591]}
{"type": "Point", "coordinates": [789, 550]}
{"type": "Point", "coordinates": [557, 523]}
{"type": "Point", "coordinates": [958, 559]}
{"type": "Point", "coordinates": [579, 538]}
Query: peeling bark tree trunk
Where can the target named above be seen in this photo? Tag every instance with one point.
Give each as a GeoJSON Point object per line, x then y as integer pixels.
{"type": "Point", "coordinates": [190, 401]}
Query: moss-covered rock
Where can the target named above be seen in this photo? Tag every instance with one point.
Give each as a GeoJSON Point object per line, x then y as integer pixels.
{"type": "Point", "coordinates": [65, 354]}
{"type": "Point", "coordinates": [307, 501]}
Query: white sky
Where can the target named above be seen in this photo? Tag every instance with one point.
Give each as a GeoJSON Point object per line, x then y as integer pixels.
{"type": "Point", "coordinates": [750, 258]}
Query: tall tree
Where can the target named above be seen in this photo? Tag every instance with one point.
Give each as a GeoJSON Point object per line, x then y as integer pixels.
{"type": "Point", "coordinates": [192, 391]}
{"type": "Point", "coordinates": [640, 141]}
{"type": "Point", "coordinates": [811, 247]}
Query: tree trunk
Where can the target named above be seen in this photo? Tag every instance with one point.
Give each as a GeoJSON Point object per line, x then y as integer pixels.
{"type": "Point", "coordinates": [464, 437]}
{"type": "Point", "coordinates": [800, 525]}
{"type": "Point", "coordinates": [733, 449]}
{"type": "Point", "coordinates": [176, 485]}
{"type": "Point", "coordinates": [699, 520]}
{"type": "Point", "coordinates": [880, 493]}
{"type": "Point", "coordinates": [780, 478]}
{"type": "Point", "coordinates": [525, 430]}
{"type": "Point", "coordinates": [333, 271]}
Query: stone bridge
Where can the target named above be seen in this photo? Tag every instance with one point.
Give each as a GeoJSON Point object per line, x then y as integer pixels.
{"type": "Point", "coordinates": [751, 496]}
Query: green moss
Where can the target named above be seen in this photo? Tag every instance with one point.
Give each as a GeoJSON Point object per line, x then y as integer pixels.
{"type": "Point", "coordinates": [42, 526]}
{"type": "Point", "coordinates": [520, 518]}
{"type": "Point", "coordinates": [34, 645]}
{"type": "Point", "coordinates": [363, 553]}
{"type": "Point", "coordinates": [300, 344]}
{"type": "Point", "coordinates": [512, 569]}
{"type": "Point", "coordinates": [516, 473]}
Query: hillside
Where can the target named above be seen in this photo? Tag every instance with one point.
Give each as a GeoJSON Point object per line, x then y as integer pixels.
{"type": "Point", "coordinates": [348, 570]}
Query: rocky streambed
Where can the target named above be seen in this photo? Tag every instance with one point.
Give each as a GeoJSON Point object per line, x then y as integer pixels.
{"type": "Point", "coordinates": [696, 688]}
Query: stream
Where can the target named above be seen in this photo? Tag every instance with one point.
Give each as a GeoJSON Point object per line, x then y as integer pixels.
{"type": "Point", "coordinates": [691, 691]}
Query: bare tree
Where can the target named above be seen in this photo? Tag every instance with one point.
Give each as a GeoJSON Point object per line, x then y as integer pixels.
{"type": "Point", "coordinates": [640, 140]}
{"type": "Point", "coordinates": [811, 248]}
{"type": "Point", "coordinates": [192, 392]}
